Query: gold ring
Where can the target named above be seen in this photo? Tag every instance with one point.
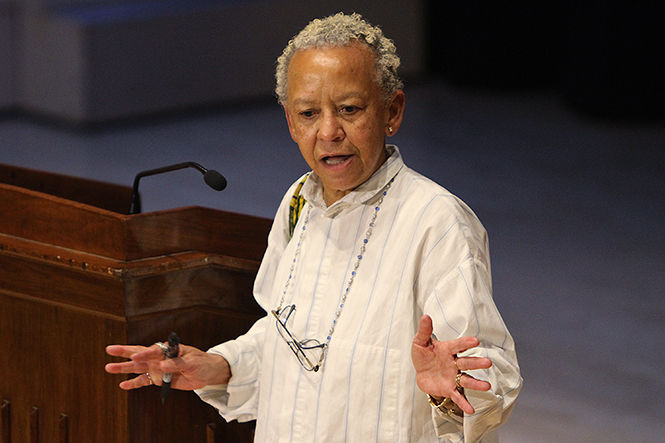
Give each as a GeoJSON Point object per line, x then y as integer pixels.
{"type": "Point", "coordinates": [456, 364]}
{"type": "Point", "coordinates": [458, 380]}
{"type": "Point", "coordinates": [149, 378]}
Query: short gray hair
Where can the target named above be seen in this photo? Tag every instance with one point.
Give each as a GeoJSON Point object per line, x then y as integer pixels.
{"type": "Point", "coordinates": [337, 31]}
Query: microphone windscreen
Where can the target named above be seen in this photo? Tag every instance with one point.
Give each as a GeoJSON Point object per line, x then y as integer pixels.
{"type": "Point", "coordinates": [215, 180]}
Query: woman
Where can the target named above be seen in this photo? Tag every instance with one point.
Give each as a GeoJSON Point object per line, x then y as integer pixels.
{"type": "Point", "coordinates": [380, 259]}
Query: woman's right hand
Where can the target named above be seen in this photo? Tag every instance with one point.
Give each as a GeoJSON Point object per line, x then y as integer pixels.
{"type": "Point", "coordinates": [191, 369]}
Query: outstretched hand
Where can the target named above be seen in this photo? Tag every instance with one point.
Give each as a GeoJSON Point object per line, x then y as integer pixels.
{"type": "Point", "coordinates": [191, 369]}
{"type": "Point", "coordinates": [437, 365]}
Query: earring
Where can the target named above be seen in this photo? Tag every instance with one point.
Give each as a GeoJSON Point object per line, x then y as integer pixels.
{"type": "Point", "coordinates": [390, 129]}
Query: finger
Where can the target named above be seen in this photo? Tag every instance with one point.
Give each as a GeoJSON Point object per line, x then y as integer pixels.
{"type": "Point", "coordinates": [462, 402]}
{"type": "Point", "coordinates": [462, 344]}
{"type": "Point", "coordinates": [139, 382]}
{"type": "Point", "coordinates": [128, 367]}
{"type": "Point", "coordinates": [470, 363]}
{"type": "Point", "coordinates": [424, 334]}
{"type": "Point", "coordinates": [469, 382]}
{"type": "Point", "coordinates": [153, 352]}
{"type": "Point", "coordinates": [125, 351]}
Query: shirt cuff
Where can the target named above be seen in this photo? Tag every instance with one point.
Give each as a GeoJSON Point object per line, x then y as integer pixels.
{"type": "Point", "coordinates": [236, 400]}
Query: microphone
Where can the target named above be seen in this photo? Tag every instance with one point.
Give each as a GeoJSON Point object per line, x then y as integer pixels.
{"type": "Point", "coordinates": [212, 178]}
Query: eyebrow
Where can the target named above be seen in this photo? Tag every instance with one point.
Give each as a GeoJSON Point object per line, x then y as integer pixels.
{"type": "Point", "coordinates": [302, 101]}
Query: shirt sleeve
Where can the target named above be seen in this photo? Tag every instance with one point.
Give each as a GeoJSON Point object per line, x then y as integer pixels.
{"type": "Point", "coordinates": [458, 296]}
{"type": "Point", "coordinates": [238, 400]}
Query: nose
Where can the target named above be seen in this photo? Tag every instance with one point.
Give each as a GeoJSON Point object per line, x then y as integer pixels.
{"type": "Point", "coordinates": [330, 128]}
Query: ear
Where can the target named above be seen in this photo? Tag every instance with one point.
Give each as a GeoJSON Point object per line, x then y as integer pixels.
{"type": "Point", "coordinates": [290, 124]}
{"type": "Point", "coordinates": [395, 112]}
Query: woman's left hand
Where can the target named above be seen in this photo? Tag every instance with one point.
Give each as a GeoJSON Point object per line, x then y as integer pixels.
{"type": "Point", "coordinates": [437, 365]}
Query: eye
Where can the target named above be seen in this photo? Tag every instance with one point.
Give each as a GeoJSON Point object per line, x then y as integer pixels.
{"type": "Point", "coordinates": [349, 109]}
{"type": "Point", "coordinates": [307, 113]}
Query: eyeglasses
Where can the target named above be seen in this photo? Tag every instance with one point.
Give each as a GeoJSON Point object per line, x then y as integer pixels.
{"type": "Point", "coordinates": [310, 352]}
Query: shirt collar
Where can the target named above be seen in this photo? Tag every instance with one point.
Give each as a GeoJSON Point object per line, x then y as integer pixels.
{"type": "Point", "coordinates": [312, 191]}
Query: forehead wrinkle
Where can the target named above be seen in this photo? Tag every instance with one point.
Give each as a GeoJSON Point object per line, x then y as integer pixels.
{"type": "Point", "coordinates": [305, 101]}
{"type": "Point", "coordinates": [352, 94]}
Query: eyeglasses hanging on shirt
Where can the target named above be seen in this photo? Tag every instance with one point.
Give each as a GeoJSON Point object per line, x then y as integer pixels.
{"type": "Point", "coordinates": [310, 352]}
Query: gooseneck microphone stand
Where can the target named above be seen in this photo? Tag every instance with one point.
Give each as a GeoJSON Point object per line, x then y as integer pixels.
{"type": "Point", "coordinates": [213, 178]}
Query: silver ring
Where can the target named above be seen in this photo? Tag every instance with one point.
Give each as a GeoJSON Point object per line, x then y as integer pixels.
{"type": "Point", "coordinates": [163, 347]}
{"type": "Point", "coordinates": [149, 378]}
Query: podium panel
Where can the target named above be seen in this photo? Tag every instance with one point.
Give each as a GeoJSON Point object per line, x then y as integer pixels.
{"type": "Point", "coordinates": [76, 276]}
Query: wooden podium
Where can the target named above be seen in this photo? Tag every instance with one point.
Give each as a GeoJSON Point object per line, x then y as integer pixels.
{"type": "Point", "coordinates": [77, 274]}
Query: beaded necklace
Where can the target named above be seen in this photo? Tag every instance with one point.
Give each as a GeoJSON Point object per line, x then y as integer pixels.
{"type": "Point", "coordinates": [354, 271]}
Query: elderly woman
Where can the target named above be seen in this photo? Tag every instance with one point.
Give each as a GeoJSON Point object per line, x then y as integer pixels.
{"type": "Point", "coordinates": [380, 321]}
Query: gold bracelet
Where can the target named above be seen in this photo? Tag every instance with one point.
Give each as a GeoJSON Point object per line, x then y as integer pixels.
{"type": "Point", "coordinates": [446, 406]}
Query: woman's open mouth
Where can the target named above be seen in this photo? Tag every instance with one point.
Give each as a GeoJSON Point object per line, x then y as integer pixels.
{"type": "Point", "coordinates": [335, 159]}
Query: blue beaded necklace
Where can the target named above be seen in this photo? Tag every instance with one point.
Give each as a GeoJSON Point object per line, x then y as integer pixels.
{"type": "Point", "coordinates": [354, 271]}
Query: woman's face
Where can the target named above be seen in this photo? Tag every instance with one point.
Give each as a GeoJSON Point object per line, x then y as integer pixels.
{"type": "Point", "coordinates": [338, 116]}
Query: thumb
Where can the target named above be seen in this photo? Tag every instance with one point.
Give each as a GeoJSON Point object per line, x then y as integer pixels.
{"type": "Point", "coordinates": [424, 334]}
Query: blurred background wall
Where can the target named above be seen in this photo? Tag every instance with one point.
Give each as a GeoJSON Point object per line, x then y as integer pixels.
{"type": "Point", "coordinates": [600, 56]}
{"type": "Point", "coordinates": [89, 61]}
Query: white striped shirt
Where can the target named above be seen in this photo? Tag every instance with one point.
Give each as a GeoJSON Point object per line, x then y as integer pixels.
{"type": "Point", "coordinates": [428, 253]}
